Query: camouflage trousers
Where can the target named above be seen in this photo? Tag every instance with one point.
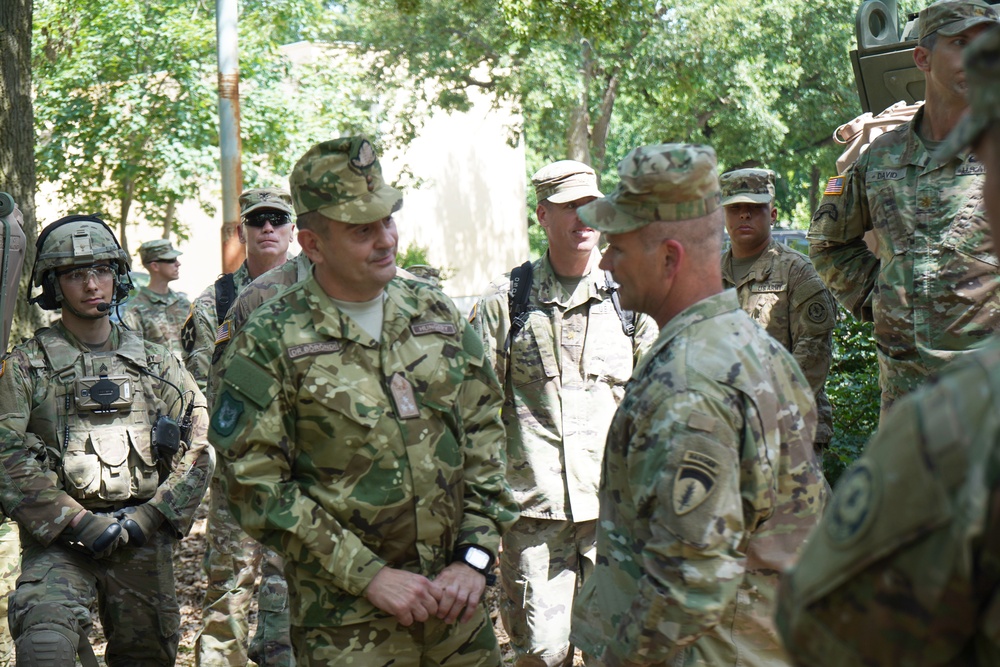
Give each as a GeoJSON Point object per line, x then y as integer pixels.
{"type": "Point", "coordinates": [10, 567]}
{"type": "Point", "coordinates": [542, 565]}
{"type": "Point", "coordinates": [383, 642]}
{"type": "Point", "coordinates": [232, 561]}
{"type": "Point", "coordinates": [897, 377]}
{"type": "Point", "coordinates": [133, 591]}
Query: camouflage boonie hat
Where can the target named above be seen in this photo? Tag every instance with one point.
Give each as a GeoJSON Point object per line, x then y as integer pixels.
{"type": "Point", "coordinates": [565, 181]}
{"type": "Point", "coordinates": [664, 182]}
{"type": "Point", "coordinates": [982, 75]}
{"type": "Point", "coordinates": [747, 186]}
{"type": "Point", "coordinates": [258, 199]}
{"type": "Point", "coordinates": [160, 249]}
{"type": "Point", "coordinates": [342, 180]}
{"type": "Point", "coordinates": [950, 17]}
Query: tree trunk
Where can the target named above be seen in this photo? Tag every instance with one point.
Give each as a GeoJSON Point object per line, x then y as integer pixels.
{"type": "Point", "coordinates": [814, 189]}
{"type": "Point", "coordinates": [17, 143]}
{"type": "Point", "coordinates": [578, 132]}
{"type": "Point", "coordinates": [125, 203]}
{"type": "Point", "coordinates": [168, 219]}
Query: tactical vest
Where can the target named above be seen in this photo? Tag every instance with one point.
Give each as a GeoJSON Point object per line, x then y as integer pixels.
{"type": "Point", "coordinates": [97, 427]}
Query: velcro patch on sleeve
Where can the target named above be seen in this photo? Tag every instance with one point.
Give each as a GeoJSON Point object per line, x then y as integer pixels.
{"type": "Point", "coordinates": [224, 332]}
{"type": "Point", "coordinates": [252, 381]}
{"type": "Point", "coordinates": [694, 482]}
{"type": "Point", "coordinates": [834, 186]}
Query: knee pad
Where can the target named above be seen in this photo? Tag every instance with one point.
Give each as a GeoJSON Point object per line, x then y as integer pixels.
{"type": "Point", "coordinates": [46, 647]}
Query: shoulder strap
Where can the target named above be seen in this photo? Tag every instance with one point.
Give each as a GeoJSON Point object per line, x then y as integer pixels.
{"type": "Point", "coordinates": [225, 295]}
{"type": "Point", "coordinates": [517, 300]}
{"type": "Point", "coordinates": [627, 317]}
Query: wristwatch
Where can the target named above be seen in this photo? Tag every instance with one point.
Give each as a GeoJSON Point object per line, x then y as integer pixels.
{"type": "Point", "coordinates": [478, 558]}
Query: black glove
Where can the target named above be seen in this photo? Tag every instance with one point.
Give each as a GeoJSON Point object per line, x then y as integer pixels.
{"type": "Point", "coordinates": [140, 522]}
{"type": "Point", "coordinates": [95, 534]}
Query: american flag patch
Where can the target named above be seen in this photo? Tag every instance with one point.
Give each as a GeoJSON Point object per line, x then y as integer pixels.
{"type": "Point", "coordinates": [222, 333]}
{"type": "Point", "coordinates": [835, 186]}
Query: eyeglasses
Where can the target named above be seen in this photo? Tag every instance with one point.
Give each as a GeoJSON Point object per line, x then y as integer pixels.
{"type": "Point", "coordinates": [164, 261]}
{"type": "Point", "coordinates": [81, 276]}
{"type": "Point", "coordinates": [276, 218]}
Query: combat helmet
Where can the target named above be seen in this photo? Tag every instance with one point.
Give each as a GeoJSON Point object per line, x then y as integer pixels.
{"type": "Point", "coordinates": [76, 240]}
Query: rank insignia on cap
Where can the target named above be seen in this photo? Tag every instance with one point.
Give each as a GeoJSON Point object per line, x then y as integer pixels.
{"type": "Point", "coordinates": [365, 157]}
{"type": "Point", "coordinates": [694, 481]}
{"type": "Point", "coordinates": [835, 186]}
{"type": "Point", "coordinates": [222, 334]}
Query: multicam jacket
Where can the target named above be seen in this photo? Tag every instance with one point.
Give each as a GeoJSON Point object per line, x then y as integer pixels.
{"type": "Point", "coordinates": [345, 454]}
{"type": "Point", "coordinates": [932, 286]}
{"type": "Point", "coordinates": [59, 455]}
{"type": "Point", "coordinates": [904, 568]}
{"type": "Point", "coordinates": [708, 490]}
{"type": "Point", "coordinates": [200, 328]}
{"type": "Point", "coordinates": [158, 318]}
{"type": "Point", "coordinates": [785, 296]}
{"type": "Point", "coordinates": [563, 377]}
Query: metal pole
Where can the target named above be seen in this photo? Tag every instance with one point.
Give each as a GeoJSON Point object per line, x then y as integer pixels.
{"type": "Point", "coordinates": [226, 13]}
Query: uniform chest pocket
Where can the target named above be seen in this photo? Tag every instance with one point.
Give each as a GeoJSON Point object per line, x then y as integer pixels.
{"type": "Point", "coordinates": [532, 352]}
{"type": "Point", "coordinates": [339, 421]}
{"type": "Point", "coordinates": [969, 233]}
{"type": "Point", "coordinates": [762, 306]}
{"type": "Point", "coordinates": [894, 236]}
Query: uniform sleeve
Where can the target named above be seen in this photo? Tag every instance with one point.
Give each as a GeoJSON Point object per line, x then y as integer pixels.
{"type": "Point", "coordinates": [902, 567]}
{"type": "Point", "coordinates": [133, 320]}
{"type": "Point", "coordinates": [253, 430]}
{"type": "Point", "coordinates": [179, 495]}
{"type": "Point", "coordinates": [491, 320]}
{"type": "Point", "coordinates": [812, 319]}
{"type": "Point", "coordinates": [29, 491]}
{"type": "Point", "coordinates": [490, 508]}
{"type": "Point", "coordinates": [684, 472]}
{"type": "Point", "coordinates": [202, 327]}
{"type": "Point", "coordinates": [837, 246]}
{"type": "Point", "coordinates": [646, 332]}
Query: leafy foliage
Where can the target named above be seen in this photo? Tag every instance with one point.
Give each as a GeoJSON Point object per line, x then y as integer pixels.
{"type": "Point", "coordinates": [852, 387]}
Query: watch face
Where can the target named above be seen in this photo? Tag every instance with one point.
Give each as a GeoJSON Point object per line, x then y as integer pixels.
{"type": "Point", "coordinates": [477, 558]}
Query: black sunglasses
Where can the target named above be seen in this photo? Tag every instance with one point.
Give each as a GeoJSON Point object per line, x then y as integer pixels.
{"type": "Point", "coordinates": [276, 218]}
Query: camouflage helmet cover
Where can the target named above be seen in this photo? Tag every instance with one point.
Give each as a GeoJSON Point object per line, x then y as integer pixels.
{"type": "Point", "coordinates": [76, 241]}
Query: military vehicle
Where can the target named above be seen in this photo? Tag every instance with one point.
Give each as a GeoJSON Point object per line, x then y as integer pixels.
{"type": "Point", "coordinates": [883, 62]}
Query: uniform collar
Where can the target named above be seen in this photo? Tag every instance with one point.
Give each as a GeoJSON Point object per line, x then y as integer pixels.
{"type": "Point", "coordinates": [550, 291]}
{"type": "Point", "coordinates": [713, 306]}
{"type": "Point", "coordinates": [399, 308]}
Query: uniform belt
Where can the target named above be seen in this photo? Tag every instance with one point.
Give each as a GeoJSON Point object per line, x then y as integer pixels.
{"type": "Point", "coordinates": [110, 508]}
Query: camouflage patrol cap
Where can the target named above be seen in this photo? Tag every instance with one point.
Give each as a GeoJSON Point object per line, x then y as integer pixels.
{"type": "Point", "coordinates": [747, 186]}
{"type": "Point", "coordinates": [950, 17]}
{"type": "Point", "coordinates": [258, 199]}
{"type": "Point", "coordinates": [342, 180]}
{"type": "Point", "coordinates": [982, 74]}
{"type": "Point", "coordinates": [664, 182]}
{"type": "Point", "coordinates": [160, 249]}
{"type": "Point", "coordinates": [565, 181]}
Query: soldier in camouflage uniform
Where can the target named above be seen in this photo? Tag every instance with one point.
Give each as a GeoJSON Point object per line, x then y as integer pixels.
{"type": "Point", "coordinates": [777, 286]}
{"type": "Point", "coordinates": [99, 500]}
{"type": "Point", "coordinates": [10, 561]}
{"type": "Point", "coordinates": [904, 569]}
{"type": "Point", "coordinates": [709, 483]}
{"type": "Point", "coordinates": [157, 312]}
{"type": "Point", "coordinates": [932, 286]}
{"type": "Point", "coordinates": [563, 373]}
{"type": "Point", "coordinates": [232, 558]}
{"type": "Point", "coordinates": [358, 427]}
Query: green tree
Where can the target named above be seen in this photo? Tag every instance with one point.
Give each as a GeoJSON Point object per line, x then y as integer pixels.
{"type": "Point", "coordinates": [765, 82]}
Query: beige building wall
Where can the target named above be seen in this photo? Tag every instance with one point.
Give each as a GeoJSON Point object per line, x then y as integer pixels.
{"type": "Point", "coordinates": [469, 209]}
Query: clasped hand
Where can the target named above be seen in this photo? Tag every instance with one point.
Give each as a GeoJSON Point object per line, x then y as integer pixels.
{"type": "Point", "coordinates": [413, 597]}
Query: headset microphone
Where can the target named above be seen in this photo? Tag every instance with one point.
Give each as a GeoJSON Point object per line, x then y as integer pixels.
{"type": "Point", "coordinates": [103, 307]}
